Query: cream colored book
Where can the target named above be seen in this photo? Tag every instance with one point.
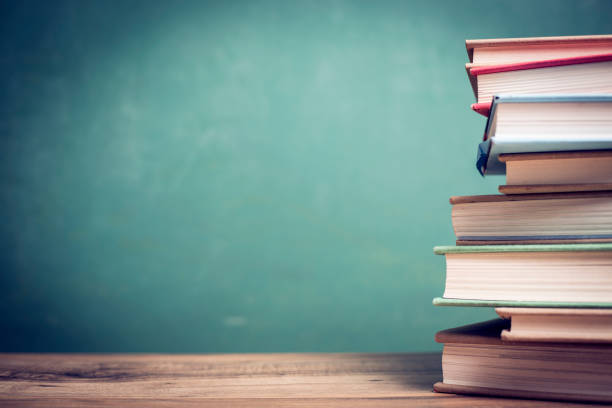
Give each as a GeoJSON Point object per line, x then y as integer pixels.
{"type": "Point", "coordinates": [562, 325]}
{"type": "Point", "coordinates": [588, 74]}
{"type": "Point", "coordinates": [533, 218]}
{"type": "Point", "coordinates": [570, 273]}
{"type": "Point", "coordinates": [553, 172]}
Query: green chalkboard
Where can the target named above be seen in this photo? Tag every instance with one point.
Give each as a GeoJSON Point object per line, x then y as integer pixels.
{"type": "Point", "coordinates": [240, 176]}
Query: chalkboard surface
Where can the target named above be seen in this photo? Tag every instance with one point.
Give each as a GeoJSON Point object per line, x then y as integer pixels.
{"type": "Point", "coordinates": [240, 176]}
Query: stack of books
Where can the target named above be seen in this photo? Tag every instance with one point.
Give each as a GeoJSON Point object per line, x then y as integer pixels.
{"type": "Point", "coordinates": [540, 252]}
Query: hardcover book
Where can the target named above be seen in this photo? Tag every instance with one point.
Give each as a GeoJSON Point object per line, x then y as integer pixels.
{"type": "Point", "coordinates": [554, 172]}
{"type": "Point", "coordinates": [560, 325]}
{"type": "Point", "coordinates": [573, 217]}
{"type": "Point", "coordinates": [476, 361]}
{"type": "Point", "coordinates": [551, 275]}
{"type": "Point", "coordinates": [513, 50]}
{"type": "Point", "coordinates": [584, 74]}
{"type": "Point", "coordinates": [544, 123]}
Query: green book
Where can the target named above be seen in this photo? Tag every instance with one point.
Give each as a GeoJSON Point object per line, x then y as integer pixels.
{"type": "Point", "coordinates": [556, 275]}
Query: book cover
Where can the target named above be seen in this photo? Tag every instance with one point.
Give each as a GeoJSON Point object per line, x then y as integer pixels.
{"type": "Point", "coordinates": [452, 249]}
{"type": "Point", "coordinates": [483, 108]}
{"type": "Point", "coordinates": [440, 301]}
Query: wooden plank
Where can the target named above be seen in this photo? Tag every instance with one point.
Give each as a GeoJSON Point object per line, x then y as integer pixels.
{"type": "Point", "coordinates": [243, 380]}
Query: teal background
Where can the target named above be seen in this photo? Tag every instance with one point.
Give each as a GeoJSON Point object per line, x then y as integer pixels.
{"type": "Point", "coordinates": [240, 176]}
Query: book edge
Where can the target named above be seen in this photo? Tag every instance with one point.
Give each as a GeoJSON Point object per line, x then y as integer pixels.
{"type": "Point", "coordinates": [451, 302]}
{"type": "Point", "coordinates": [486, 198]}
{"type": "Point", "coordinates": [528, 41]}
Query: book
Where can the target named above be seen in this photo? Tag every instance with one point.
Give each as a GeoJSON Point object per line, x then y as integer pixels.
{"type": "Point", "coordinates": [556, 273]}
{"type": "Point", "coordinates": [483, 52]}
{"type": "Point", "coordinates": [532, 218]}
{"type": "Point", "coordinates": [476, 361]}
{"type": "Point", "coordinates": [512, 50]}
{"type": "Point", "coordinates": [575, 75]}
{"type": "Point", "coordinates": [553, 172]}
{"type": "Point", "coordinates": [544, 123]}
{"type": "Point", "coordinates": [561, 325]}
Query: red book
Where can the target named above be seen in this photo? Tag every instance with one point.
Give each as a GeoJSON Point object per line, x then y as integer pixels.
{"type": "Point", "coordinates": [585, 74]}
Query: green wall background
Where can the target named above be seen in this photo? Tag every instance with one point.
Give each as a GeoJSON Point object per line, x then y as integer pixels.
{"type": "Point", "coordinates": [240, 176]}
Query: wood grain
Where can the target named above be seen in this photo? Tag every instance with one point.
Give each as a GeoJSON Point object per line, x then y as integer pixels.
{"type": "Point", "coordinates": [236, 380]}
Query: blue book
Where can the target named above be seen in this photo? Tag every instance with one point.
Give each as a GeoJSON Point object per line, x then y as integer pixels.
{"type": "Point", "coordinates": [544, 123]}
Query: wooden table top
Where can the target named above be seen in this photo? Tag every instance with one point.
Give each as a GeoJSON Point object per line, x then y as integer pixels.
{"type": "Point", "coordinates": [231, 380]}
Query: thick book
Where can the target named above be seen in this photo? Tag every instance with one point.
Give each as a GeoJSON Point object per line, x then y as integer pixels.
{"type": "Point", "coordinates": [555, 172]}
{"type": "Point", "coordinates": [476, 361]}
{"type": "Point", "coordinates": [555, 273]}
{"type": "Point", "coordinates": [560, 325]}
{"type": "Point", "coordinates": [577, 75]}
{"type": "Point", "coordinates": [574, 217]}
{"type": "Point", "coordinates": [544, 123]}
{"type": "Point", "coordinates": [512, 50]}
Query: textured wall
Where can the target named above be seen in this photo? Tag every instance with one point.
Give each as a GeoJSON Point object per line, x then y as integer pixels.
{"type": "Point", "coordinates": [240, 176]}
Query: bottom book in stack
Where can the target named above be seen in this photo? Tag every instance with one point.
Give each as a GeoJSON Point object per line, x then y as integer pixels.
{"type": "Point", "coordinates": [477, 361]}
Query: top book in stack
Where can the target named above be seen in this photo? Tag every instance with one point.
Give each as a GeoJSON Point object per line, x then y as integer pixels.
{"type": "Point", "coordinates": [551, 65]}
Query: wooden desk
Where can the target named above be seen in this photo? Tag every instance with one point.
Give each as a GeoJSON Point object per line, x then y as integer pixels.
{"type": "Point", "coordinates": [232, 380]}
